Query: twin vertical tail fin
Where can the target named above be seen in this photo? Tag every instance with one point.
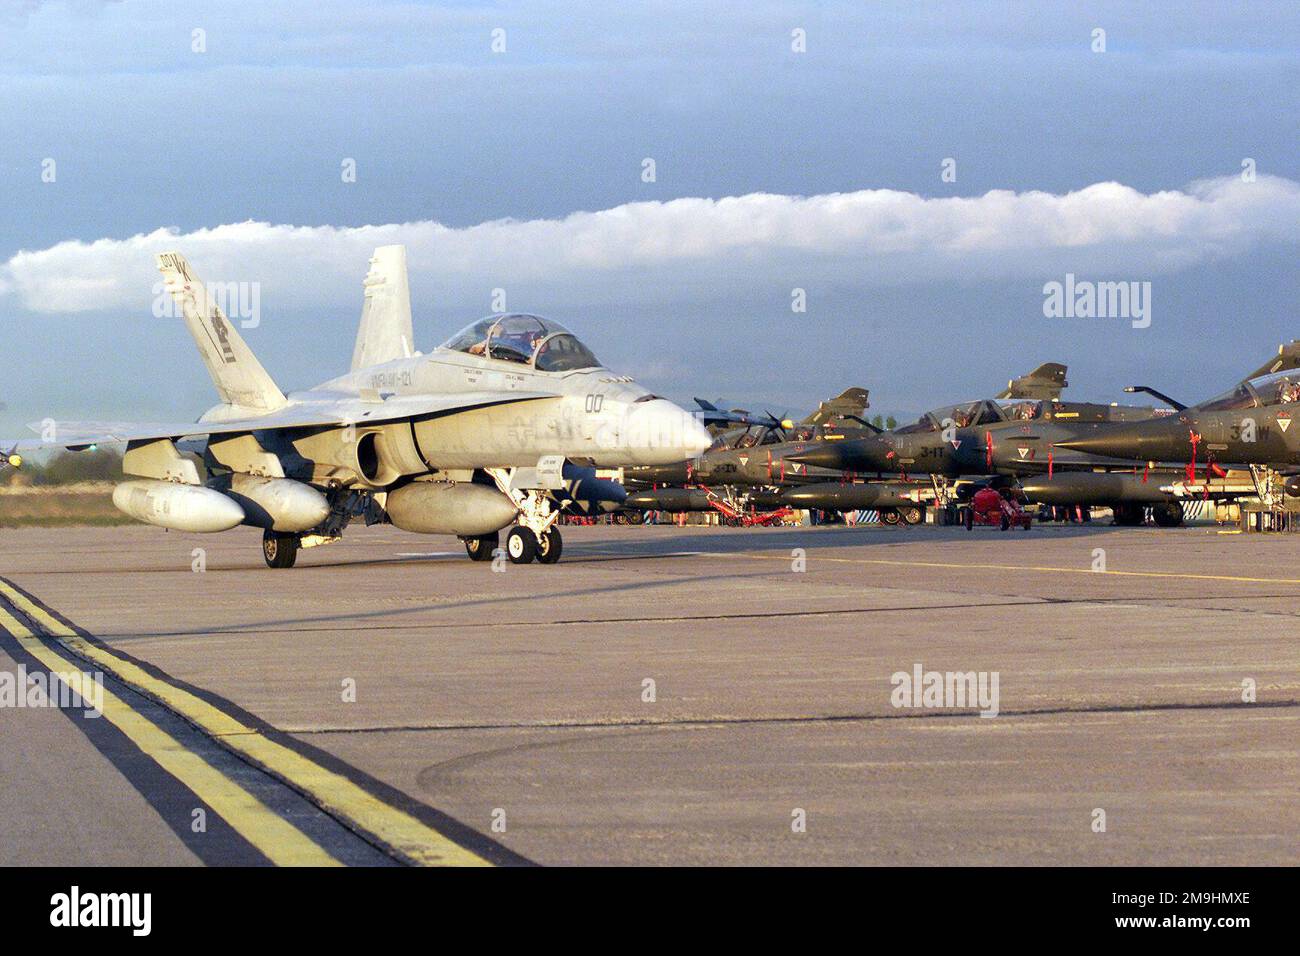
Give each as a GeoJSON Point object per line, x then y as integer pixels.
{"type": "Point", "coordinates": [385, 333]}
{"type": "Point", "coordinates": [238, 375]}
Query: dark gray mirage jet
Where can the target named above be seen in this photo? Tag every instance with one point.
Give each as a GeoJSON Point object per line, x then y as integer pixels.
{"type": "Point", "coordinates": [1023, 439]}
{"type": "Point", "coordinates": [1248, 425]}
{"type": "Point", "coordinates": [751, 467]}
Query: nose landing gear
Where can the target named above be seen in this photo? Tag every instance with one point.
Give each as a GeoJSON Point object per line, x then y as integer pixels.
{"type": "Point", "coordinates": [535, 537]}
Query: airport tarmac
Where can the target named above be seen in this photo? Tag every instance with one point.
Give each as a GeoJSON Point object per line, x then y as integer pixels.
{"type": "Point", "coordinates": [505, 717]}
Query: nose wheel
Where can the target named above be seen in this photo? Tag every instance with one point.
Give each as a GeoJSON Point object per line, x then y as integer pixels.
{"type": "Point", "coordinates": [521, 545]}
{"type": "Point", "coordinates": [549, 546]}
{"type": "Point", "coordinates": [535, 537]}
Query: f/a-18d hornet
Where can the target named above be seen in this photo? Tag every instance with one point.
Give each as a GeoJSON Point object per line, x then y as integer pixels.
{"type": "Point", "coordinates": [505, 421]}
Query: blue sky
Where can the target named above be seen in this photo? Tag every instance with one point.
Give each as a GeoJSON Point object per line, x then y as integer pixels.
{"type": "Point", "coordinates": [147, 135]}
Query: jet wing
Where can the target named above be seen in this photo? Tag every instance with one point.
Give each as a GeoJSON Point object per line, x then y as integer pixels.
{"type": "Point", "coordinates": [308, 414]}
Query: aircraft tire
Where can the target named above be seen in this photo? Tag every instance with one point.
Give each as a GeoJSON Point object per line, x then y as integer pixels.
{"type": "Point", "coordinates": [620, 517]}
{"type": "Point", "coordinates": [970, 517]}
{"type": "Point", "coordinates": [1168, 516]}
{"type": "Point", "coordinates": [889, 516]}
{"type": "Point", "coordinates": [279, 550]}
{"type": "Point", "coordinates": [521, 545]}
{"type": "Point", "coordinates": [913, 515]}
{"type": "Point", "coordinates": [1006, 522]}
{"type": "Point", "coordinates": [481, 548]}
{"type": "Point", "coordinates": [636, 517]}
{"type": "Point", "coordinates": [549, 546]}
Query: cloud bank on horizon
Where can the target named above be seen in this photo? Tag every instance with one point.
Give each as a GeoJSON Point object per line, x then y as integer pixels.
{"type": "Point", "coordinates": [863, 238]}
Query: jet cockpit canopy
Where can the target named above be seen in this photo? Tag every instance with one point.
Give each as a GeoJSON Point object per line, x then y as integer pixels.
{"type": "Point", "coordinates": [1276, 388]}
{"type": "Point", "coordinates": [965, 415]}
{"type": "Point", "coordinates": [526, 339]}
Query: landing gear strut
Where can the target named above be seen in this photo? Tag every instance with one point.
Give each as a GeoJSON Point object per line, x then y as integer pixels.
{"type": "Point", "coordinates": [280, 550]}
{"type": "Point", "coordinates": [536, 536]}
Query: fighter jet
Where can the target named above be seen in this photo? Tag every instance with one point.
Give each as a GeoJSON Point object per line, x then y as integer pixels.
{"type": "Point", "coordinates": [756, 468]}
{"type": "Point", "coordinates": [718, 420]}
{"type": "Point", "coordinates": [504, 422]}
{"type": "Point", "coordinates": [1016, 437]}
{"type": "Point", "coordinates": [946, 441]}
{"type": "Point", "coordinates": [1250, 424]}
{"type": "Point", "coordinates": [754, 455]}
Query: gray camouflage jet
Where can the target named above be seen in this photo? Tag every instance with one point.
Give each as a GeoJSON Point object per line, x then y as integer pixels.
{"type": "Point", "coordinates": [1250, 424]}
{"type": "Point", "coordinates": [505, 421]}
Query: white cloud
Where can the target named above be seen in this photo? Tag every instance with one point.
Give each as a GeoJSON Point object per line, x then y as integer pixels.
{"type": "Point", "coordinates": [684, 246]}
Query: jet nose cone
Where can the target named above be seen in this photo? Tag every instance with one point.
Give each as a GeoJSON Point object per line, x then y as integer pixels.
{"type": "Point", "coordinates": [864, 454]}
{"type": "Point", "coordinates": [1136, 442]}
{"type": "Point", "coordinates": [661, 433]}
{"type": "Point", "coordinates": [822, 455]}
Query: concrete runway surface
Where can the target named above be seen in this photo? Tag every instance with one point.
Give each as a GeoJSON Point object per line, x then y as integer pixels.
{"type": "Point", "coordinates": [501, 717]}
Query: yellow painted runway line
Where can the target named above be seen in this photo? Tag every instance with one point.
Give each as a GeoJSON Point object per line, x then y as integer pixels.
{"type": "Point", "coordinates": [276, 838]}
{"type": "Point", "coordinates": [1021, 567]}
{"type": "Point", "coordinates": [333, 792]}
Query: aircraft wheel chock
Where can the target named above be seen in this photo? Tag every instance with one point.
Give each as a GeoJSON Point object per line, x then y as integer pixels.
{"type": "Point", "coordinates": [279, 550]}
{"type": "Point", "coordinates": [549, 546]}
{"type": "Point", "coordinates": [521, 545]}
{"type": "Point", "coordinates": [481, 548]}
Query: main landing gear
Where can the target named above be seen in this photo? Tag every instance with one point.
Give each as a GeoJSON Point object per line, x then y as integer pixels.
{"type": "Point", "coordinates": [279, 549]}
{"type": "Point", "coordinates": [482, 547]}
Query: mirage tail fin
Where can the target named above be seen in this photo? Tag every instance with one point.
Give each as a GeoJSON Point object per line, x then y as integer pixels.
{"type": "Point", "coordinates": [1044, 382]}
{"type": "Point", "coordinates": [385, 333]}
{"type": "Point", "coordinates": [850, 403]}
{"type": "Point", "coordinates": [238, 375]}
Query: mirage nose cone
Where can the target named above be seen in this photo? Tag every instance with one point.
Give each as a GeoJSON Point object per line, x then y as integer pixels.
{"type": "Point", "coordinates": [1140, 441]}
{"type": "Point", "coordinates": [859, 454]}
{"type": "Point", "coordinates": [658, 432]}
